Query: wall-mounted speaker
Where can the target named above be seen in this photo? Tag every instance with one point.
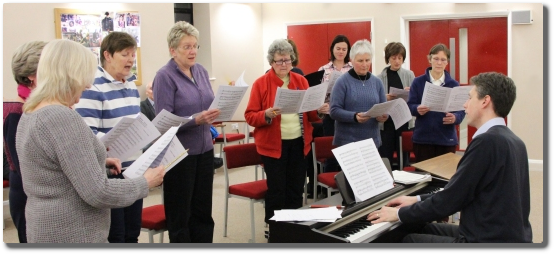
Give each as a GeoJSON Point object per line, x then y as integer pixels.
{"type": "Point", "coordinates": [521, 17]}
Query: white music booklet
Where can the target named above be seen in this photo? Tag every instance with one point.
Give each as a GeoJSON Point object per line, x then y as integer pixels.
{"type": "Point", "coordinates": [129, 136]}
{"type": "Point", "coordinates": [300, 101]}
{"type": "Point", "coordinates": [399, 93]}
{"type": "Point", "coordinates": [165, 120]}
{"type": "Point", "coordinates": [445, 99]}
{"type": "Point", "coordinates": [364, 169]}
{"type": "Point", "coordinates": [398, 110]}
{"type": "Point", "coordinates": [228, 98]}
{"type": "Point", "coordinates": [167, 151]}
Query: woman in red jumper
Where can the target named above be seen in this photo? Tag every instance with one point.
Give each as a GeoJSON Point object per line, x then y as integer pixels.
{"type": "Point", "coordinates": [283, 140]}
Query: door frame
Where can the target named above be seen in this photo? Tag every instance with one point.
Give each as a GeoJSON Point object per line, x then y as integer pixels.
{"type": "Point", "coordinates": [405, 33]}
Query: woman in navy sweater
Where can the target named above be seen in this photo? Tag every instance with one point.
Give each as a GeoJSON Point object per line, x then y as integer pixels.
{"type": "Point", "coordinates": [434, 132]}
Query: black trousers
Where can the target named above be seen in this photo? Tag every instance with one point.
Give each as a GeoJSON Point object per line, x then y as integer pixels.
{"type": "Point", "coordinates": [18, 199]}
{"type": "Point", "coordinates": [125, 222]}
{"type": "Point", "coordinates": [285, 177]}
{"type": "Point", "coordinates": [188, 189]}
{"type": "Point", "coordinates": [390, 142]}
{"type": "Point", "coordinates": [436, 233]}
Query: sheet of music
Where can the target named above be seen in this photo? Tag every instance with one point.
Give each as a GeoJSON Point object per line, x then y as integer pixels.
{"type": "Point", "coordinates": [288, 101]}
{"type": "Point", "coordinates": [130, 136]}
{"type": "Point", "coordinates": [299, 101]}
{"type": "Point", "coordinates": [314, 98]}
{"type": "Point", "coordinates": [364, 169]}
{"type": "Point", "coordinates": [445, 99]}
{"type": "Point", "coordinates": [147, 159]}
{"type": "Point", "coordinates": [165, 120]}
{"type": "Point", "coordinates": [333, 79]}
{"type": "Point", "coordinates": [175, 153]}
{"type": "Point", "coordinates": [398, 110]}
{"type": "Point", "coordinates": [399, 93]}
{"type": "Point", "coordinates": [228, 98]}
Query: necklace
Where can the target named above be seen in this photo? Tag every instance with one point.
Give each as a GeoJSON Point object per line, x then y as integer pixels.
{"type": "Point", "coordinates": [363, 81]}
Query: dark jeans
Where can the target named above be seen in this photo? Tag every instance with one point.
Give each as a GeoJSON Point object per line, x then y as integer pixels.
{"type": "Point", "coordinates": [125, 222]}
{"type": "Point", "coordinates": [390, 141]}
{"type": "Point", "coordinates": [285, 177]}
{"type": "Point", "coordinates": [331, 165]}
{"type": "Point", "coordinates": [436, 233]}
{"type": "Point", "coordinates": [18, 199]}
{"type": "Point", "coordinates": [188, 189]}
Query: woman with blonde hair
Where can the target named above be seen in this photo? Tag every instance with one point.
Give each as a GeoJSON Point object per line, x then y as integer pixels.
{"type": "Point", "coordinates": [63, 165]}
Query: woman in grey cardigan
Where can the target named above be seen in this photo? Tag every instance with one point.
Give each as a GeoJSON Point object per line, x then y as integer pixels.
{"type": "Point", "coordinates": [394, 76]}
{"type": "Point", "coordinates": [63, 165]}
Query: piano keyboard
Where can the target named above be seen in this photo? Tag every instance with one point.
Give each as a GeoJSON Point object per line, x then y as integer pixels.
{"type": "Point", "coordinates": [361, 230]}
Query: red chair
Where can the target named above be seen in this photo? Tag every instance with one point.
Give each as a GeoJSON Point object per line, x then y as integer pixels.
{"type": "Point", "coordinates": [406, 146]}
{"type": "Point", "coordinates": [238, 156]}
{"type": "Point", "coordinates": [224, 138]}
{"type": "Point", "coordinates": [153, 220]}
{"type": "Point", "coordinates": [321, 150]}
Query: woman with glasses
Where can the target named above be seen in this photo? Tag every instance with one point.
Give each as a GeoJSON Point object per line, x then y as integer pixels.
{"type": "Point", "coordinates": [434, 132]}
{"type": "Point", "coordinates": [394, 76]}
{"type": "Point", "coordinates": [183, 88]}
{"type": "Point", "coordinates": [282, 140]}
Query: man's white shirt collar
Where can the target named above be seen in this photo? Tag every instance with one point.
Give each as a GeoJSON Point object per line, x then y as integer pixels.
{"type": "Point", "coordinates": [490, 123]}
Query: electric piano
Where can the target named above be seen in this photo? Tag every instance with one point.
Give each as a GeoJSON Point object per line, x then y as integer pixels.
{"type": "Point", "coordinates": [353, 227]}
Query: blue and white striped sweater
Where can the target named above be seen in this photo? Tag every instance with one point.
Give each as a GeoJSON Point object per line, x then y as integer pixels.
{"type": "Point", "coordinates": [106, 102]}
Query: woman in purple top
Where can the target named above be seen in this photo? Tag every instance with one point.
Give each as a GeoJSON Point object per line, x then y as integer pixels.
{"type": "Point", "coordinates": [24, 69]}
{"type": "Point", "coordinates": [183, 88]}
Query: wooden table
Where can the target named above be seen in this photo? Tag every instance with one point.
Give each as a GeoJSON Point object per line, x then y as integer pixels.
{"type": "Point", "coordinates": [443, 166]}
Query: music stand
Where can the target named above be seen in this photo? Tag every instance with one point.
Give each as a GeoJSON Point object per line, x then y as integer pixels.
{"type": "Point", "coordinates": [314, 78]}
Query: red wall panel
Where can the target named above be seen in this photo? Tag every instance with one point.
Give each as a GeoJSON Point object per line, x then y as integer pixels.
{"type": "Point", "coordinates": [311, 43]}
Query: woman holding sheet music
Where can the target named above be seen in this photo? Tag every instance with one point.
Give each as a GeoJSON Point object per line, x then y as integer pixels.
{"type": "Point", "coordinates": [282, 140]}
{"type": "Point", "coordinates": [434, 132]}
{"type": "Point", "coordinates": [63, 165]}
{"type": "Point", "coordinates": [182, 87]}
{"type": "Point", "coordinates": [114, 95]}
{"type": "Point", "coordinates": [394, 76]}
{"type": "Point", "coordinates": [340, 61]}
{"type": "Point", "coordinates": [354, 93]}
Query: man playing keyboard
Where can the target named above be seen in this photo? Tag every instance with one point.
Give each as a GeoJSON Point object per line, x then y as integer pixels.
{"type": "Point", "coordinates": [491, 183]}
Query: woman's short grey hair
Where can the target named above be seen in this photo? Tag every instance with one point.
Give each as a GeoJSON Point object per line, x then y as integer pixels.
{"type": "Point", "coordinates": [281, 47]}
{"type": "Point", "coordinates": [180, 30]}
{"type": "Point", "coordinates": [361, 47]}
{"type": "Point", "coordinates": [25, 61]}
{"type": "Point", "coordinates": [65, 69]}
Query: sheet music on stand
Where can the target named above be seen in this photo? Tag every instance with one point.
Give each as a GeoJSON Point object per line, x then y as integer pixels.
{"type": "Point", "coordinates": [364, 169]}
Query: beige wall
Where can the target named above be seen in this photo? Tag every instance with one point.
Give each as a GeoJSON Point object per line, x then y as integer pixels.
{"type": "Point", "coordinates": [235, 37]}
{"type": "Point", "coordinates": [156, 20]}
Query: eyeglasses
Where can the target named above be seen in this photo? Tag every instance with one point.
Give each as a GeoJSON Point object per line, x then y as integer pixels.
{"type": "Point", "coordinates": [189, 47]}
{"type": "Point", "coordinates": [281, 62]}
{"type": "Point", "coordinates": [437, 60]}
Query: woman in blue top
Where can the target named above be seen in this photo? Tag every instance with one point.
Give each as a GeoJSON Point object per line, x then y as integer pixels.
{"type": "Point", "coordinates": [434, 132]}
{"type": "Point", "coordinates": [354, 93]}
